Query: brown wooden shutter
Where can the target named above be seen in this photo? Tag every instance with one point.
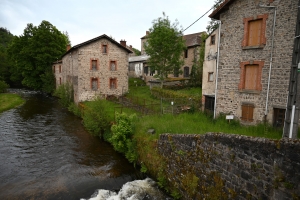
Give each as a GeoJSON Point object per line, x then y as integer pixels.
{"type": "Point", "coordinates": [255, 32]}
{"type": "Point", "coordinates": [251, 75]}
{"type": "Point", "coordinates": [247, 112]}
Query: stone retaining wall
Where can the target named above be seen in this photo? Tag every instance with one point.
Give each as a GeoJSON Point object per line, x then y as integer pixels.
{"type": "Point", "coordinates": [224, 166]}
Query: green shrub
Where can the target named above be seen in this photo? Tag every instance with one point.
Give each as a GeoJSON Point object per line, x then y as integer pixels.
{"type": "Point", "coordinates": [3, 86]}
{"type": "Point", "coordinates": [121, 136]}
{"type": "Point", "coordinates": [65, 93]}
{"type": "Point", "coordinates": [74, 109]}
{"type": "Point", "coordinates": [95, 118]}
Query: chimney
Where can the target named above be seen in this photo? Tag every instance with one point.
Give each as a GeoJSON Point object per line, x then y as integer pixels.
{"type": "Point", "coordinates": [130, 46]}
{"type": "Point", "coordinates": [147, 32]}
{"type": "Point", "coordinates": [123, 43]}
{"type": "Point", "coordinates": [68, 47]}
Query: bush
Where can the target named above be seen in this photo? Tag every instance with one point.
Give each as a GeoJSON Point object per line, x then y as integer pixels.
{"type": "Point", "coordinates": [74, 109]}
{"type": "Point", "coordinates": [121, 137]}
{"type": "Point", "coordinates": [3, 86]}
{"type": "Point", "coordinates": [65, 93]}
{"type": "Point", "coordinates": [95, 118]}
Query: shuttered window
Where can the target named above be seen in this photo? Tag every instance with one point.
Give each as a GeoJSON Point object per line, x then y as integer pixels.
{"type": "Point", "coordinates": [247, 112]}
{"type": "Point", "coordinates": [255, 31]}
{"type": "Point", "coordinates": [251, 76]}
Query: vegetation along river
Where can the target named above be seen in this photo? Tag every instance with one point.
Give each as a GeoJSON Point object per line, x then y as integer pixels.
{"type": "Point", "coordinates": [45, 153]}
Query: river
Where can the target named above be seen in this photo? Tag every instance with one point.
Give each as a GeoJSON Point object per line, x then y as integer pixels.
{"type": "Point", "coordinates": [45, 153]}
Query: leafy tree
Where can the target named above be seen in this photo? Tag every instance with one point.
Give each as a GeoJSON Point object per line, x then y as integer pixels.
{"type": "Point", "coordinates": [213, 24]}
{"type": "Point", "coordinates": [136, 51]}
{"type": "Point", "coordinates": [197, 68]}
{"type": "Point", "coordinates": [33, 53]}
{"type": "Point", "coordinates": [5, 39]}
{"type": "Point", "coordinates": [165, 46]}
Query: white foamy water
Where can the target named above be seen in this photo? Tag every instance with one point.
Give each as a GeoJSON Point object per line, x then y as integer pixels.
{"type": "Point", "coordinates": [135, 190]}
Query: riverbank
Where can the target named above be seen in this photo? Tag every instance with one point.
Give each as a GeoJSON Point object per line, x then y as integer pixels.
{"type": "Point", "coordinates": [9, 101]}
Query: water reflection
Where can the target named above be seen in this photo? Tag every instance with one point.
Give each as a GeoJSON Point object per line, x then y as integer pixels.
{"type": "Point", "coordinates": [45, 153]}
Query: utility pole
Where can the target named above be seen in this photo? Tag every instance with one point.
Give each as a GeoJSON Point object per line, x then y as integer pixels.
{"type": "Point", "coordinates": [290, 129]}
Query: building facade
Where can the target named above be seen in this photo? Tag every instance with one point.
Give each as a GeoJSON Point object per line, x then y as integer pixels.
{"type": "Point", "coordinates": [95, 68]}
{"type": "Point", "coordinates": [209, 71]}
{"type": "Point", "coordinates": [256, 49]}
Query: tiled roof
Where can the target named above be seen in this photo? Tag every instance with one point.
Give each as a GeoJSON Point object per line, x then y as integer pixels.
{"type": "Point", "coordinates": [193, 39]}
{"type": "Point", "coordinates": [95, 39]}
{"type": "Point", "coordinates": [223, 6]}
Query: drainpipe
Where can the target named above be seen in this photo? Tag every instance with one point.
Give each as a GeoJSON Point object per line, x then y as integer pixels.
{"type": "Point", "coordinates": [271, 58]}
{"type": "Point", "coordinates": [217, 68]}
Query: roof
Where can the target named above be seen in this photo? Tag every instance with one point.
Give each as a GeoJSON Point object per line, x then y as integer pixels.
{"type": "Point", "coordinates": [222, 7]}
{"type": "Point", "coordinates": [138, 58]}
{"type": "Point", "coordinates": [193, 39]}
{"type": "Point", "coordinates": [95, 39]}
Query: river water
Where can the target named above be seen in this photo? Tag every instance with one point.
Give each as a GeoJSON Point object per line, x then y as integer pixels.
{"type": "Point", "coordinates": [45, 153]}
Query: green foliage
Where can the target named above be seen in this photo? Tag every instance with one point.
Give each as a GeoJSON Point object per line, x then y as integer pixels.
{"type": "Point", "coordinates": [33, 53]}
{"type": "Point", "coordinates": [165, 46]}
{"type": "Point", "coordinates": [74, 109]}
{"type": "Point", "coordinates": [136, 51]}
{"type": "Point", "coordinates": [3, 86]}
{"type": "Point", "coordinates": [65, 93]}
{"type": "Point", "coordinates": [122, 132]}
{"type": "Point", "coordinates": [5, 39]}
{"type": "Point", "coordinates": [197, 68]}
{"type": "Point", "coordinates": [213, 24]}
{"type": "Point", "coordinates": [95, 118]}
{"type": "Point", "coordinates": [143, 168]}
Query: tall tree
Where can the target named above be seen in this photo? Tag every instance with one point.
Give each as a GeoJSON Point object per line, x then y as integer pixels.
{"type": "Point", "coordinates": [33, 54]}
{"type": "Point", "coordinates": [165, 47]}
{"type": "Point", "coordinates": [5, 39]}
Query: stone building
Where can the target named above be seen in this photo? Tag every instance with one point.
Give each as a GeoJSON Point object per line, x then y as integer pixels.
{"type": "Point", "coordinates": [255, 58]}
{"type": "Point", "coordinates": [95, 68]}
{"type": "Point", "coordinates": [209, 71]}
{"type": "Point", "coordinates": [192, 41]}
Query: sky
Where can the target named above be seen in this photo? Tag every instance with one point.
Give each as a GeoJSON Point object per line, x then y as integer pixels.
{"type": "Point", "coordinates": [86, 19]}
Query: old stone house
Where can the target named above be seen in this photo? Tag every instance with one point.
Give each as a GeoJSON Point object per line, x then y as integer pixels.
{"type": "Point", "coordinates": [256, 47]}
{"type": "Point", "coordinates": [95, 68]}
{"type": "Point", "coordinates": [209, 71]}
{"type": "Point", "coordinates": [192, 41]}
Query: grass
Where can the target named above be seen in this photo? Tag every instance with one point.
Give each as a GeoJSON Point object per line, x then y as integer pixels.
{"type": "Point", "coordinates": [9, 101]}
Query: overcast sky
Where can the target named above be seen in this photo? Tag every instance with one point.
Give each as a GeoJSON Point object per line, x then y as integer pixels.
{"type": "Point", "coordinates": [122, 19]}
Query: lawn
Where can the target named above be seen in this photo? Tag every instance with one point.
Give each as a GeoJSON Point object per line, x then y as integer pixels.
{"type": "Point", "coordinates": [9, 101]}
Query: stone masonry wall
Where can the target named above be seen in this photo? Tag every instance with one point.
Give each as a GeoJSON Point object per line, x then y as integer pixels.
{"type": "Point", "coordinates": [229, 97]}
{"type": "Point", "coordinates": [224, 166]}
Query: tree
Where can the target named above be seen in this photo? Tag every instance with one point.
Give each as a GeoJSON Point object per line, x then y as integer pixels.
{"type": "Point", "coordinates": [33, 53]}
{"type": "Point", "coordinates": [165, 46]}
{"type": "Point", "coordinates": [5, 39]}
{"type": "Point", "coordinates": [213, 24]}
{"type": "Point", "coordinates": [136, 51]}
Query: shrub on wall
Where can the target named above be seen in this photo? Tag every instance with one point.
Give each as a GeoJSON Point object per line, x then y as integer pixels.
{"type": "Point", "coordinates": [65, 94]}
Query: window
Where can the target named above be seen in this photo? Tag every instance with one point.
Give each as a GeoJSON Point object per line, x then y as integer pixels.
{"type": "Point", "coordinates": [250, 75]}
{"type": "Point", "coordinates": [210, 76]}
{"type": "Point", "coordinates": [176, 72]}
{"type": "Point", "coordinates": [94, 84]}
{"type": "Point", "coordinates": [113, 83]}
{"type": "Point", "coordinates": [254, 31]}
{"type": "Point", "coordinates": [186, 53]}
{"type": "Point", "coordinates": [209, 103]}
{"type": "Point", "coordinates": [59, 68]}
{"type": "Point", "coordinates": [247, 112]}
{"type": "Point", "coordinates": [113, 66]}
{"type": "Point", "coordinates": [186, 72]}
{"type": "Point", "coordinates": [212, 39]}
{"type": "Point", "coordinates": [94, 64]}
{"type": "Point", "coordinates": [104, 49]}
{"type": "Point", "coordinates": [146, 70]}
{"type": "Point", "coordinates": [278, 118]}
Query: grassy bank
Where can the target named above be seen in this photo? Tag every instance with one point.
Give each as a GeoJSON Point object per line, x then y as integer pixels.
{"type": "Point", "coordinates": [9, 101]}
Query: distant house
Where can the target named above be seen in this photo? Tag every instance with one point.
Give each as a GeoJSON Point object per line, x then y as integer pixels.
{"type": "Point", "coordinates": [97, 67]}
{"type": "Point", "coordinates": [255, 59]}
{"type": "Point", "coordinates": [192, 41]}
{"type": "Point", "coordinates": [209, 71]}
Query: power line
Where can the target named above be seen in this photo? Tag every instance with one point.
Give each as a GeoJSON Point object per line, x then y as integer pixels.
{"type": "Point", "coordinates": [199, 18]}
